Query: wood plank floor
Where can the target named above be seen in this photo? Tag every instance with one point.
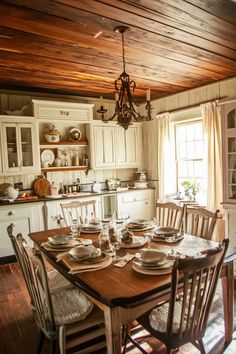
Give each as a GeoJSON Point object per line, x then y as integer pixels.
{"type": "Point", "coordinates": [18, 332]}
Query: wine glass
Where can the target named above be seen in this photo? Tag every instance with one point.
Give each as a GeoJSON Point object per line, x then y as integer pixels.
{"type": "Point", "coordinates": [149, 236]}
{"type": "Point", "coordinates": [74, 228]}
{"type": "Point", "coordinates": [171, 239]}
{"type": "Point", "coordinates": [115, 246]}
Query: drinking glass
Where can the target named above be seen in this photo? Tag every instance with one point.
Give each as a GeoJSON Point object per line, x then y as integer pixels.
{"type": "Point", "coordinates": [149, 235]}
{"type": "Point", "coordinates": [74, 228]}
{"type": "Point", "coordinates": [115, 247]}
{"type": "Point", "coordinates": [171, 240]}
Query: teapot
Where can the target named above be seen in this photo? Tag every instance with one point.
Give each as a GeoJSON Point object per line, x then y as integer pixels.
{"type": "Point", "coordinates": [11, 193]}
{"type": "Point", "coordinates": [96, 187]}
{"type": "Point", "coordinates": [52, 135]}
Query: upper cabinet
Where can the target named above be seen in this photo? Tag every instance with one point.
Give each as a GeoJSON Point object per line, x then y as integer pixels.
{"type": "Point", "coordinates": [70, 150]}
{"type": "Point", "coordinates": [113, 147]}
{"type": "Point", "coordinates": [19, 143]}
{"type": "Point", "coordinates": [52, 110]}
{"type": "Point", "coordinates": [103, 147]}
{"type": "Point", "coordinates": [128, 144]}
{"type": "Point", "coordinates": [228, 111]}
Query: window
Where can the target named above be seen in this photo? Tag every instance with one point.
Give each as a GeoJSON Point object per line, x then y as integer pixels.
{"type": "Point", "coordinates": [189, 150]}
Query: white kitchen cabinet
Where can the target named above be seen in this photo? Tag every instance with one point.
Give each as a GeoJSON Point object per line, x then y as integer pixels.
{"type": "Point", "coordinates": [228, 114]}
{"type": "Point", "coordinates": [52, 210]}
{"type": "Point", "coordinates": [58, 110]}
{"type": "Point", "coordinates": [138, 204]}
{"type": "Point", "coordinates": [26, 217]}
{"type": "Point", "coordinates": [19, 145]}
{"type": "Point", "coordinates": [103, 147]}
{"type": "Point", "coordinates": [114, 147]}
{"type": "Point", "coordinates": [67, 154]}
{"type": "Point", "coordinates": [128, 146]}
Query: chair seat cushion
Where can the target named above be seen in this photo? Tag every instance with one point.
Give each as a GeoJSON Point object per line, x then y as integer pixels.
{"type": "Point", "coordinates": [56, 281]}
{"type": "Point", "coordinates": [70, 305]}
{"type": "Point", "coordinates": [158, 317]}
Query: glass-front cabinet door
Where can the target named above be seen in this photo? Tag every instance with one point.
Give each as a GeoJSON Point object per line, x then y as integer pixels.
{"type": "Point", "coordinates": [18, 147]}
{"type": "Point", "coordinates": [229, 151]}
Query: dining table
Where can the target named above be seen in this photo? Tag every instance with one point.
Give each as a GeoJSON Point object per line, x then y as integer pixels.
{"type": "Point", "coordinates": [123, 294]}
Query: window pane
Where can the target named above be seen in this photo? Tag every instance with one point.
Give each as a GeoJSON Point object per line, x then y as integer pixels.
{"type": "Point", "coordinates": [189, 157]}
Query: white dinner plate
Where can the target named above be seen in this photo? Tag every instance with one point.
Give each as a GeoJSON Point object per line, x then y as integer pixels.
{"type": "Point", "coordinates": [162, 265]}
{"type": "Point", "coordinates": [90, 230]}
{"type": "Point", "coordinates": [162, 271]}
{"type": "Point", "coordinates": [59, 239]}
{"type": "Point", "coordinates": [168, 239]}
{"type": "Point", "coordinates": [47, 156]}
{"type": "Point", "coordinates": [138, 241]}
{"type": "Point", "coordinates": [152, 256]}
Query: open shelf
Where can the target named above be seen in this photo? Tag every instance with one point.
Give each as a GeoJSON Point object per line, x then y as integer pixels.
{"type": "Point", "coordinates": [67, 168]}
{"type": "Point", "coordinates": [44, 144]}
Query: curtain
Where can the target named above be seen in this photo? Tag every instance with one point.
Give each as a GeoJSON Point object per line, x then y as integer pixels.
{"type": "Point", "coordinates": [165, 163]}
{"type": "Point", "coordinates": [213, 143]}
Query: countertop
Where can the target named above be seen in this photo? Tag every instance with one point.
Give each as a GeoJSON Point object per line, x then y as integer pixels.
{"type": "Point", "coordinates": [70, 196]}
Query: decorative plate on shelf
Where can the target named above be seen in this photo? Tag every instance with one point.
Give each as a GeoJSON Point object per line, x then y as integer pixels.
{"type": "Point", "coordinates": [47, 157]}
{"type": "Point", "coordinates": [75, 134]}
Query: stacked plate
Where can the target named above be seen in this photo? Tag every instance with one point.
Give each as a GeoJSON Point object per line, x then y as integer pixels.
{"type": "Point", "coordinates": [64, 243]}
{"type": "Point", "coordinates": [86, 254]}
{"type": "Point", "coordinates": [167, 234]}
{"type": "Point", "coordinates": [153, 262]}
{"type": "Point", "coordinates": [90, 229]}
{"type": "Point", "coordinates": [138, 225]}
{"type": "Point", "coordinates": [136, 242]}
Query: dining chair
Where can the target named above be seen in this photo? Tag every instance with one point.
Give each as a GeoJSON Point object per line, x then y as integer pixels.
{"type": "Point", "coordinates": [81, 211]}
{"type": "Point", "coordinates": [200, 222]}
{"type": "Point", "coordinates": [170, 214]}
{"type": "Point", "coordinates": [65, 314]}
{"type": "Point", "coordinates": [184, 317]}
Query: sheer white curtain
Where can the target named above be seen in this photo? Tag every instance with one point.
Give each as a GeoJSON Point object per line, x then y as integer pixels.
{"type": "Point", "coordinates": [166, 163]}
{"type": "Point", "coordinates": [213, 144]}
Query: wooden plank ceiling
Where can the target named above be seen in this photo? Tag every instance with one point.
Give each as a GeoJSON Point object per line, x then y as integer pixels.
{"type": "Point", "coordinates": [69, 46]}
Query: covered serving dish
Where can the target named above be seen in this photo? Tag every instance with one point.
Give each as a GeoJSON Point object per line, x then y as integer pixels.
{"type": "Point", "coordinates": [52, 135]}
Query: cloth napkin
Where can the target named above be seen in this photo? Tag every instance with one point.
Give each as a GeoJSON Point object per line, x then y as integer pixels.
{"type": "Point", "coordinates": [75, 267]}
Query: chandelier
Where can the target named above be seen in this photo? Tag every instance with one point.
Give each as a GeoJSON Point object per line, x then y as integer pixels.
{"type": "Point", "coordinates": [125, 109]}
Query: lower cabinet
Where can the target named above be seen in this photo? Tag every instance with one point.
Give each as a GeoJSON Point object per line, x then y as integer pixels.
{"type": "Point", "coordinates": [138, 204]}
{"type": "Point", "coordinates": [52, 210]}
{"type": "Point", "coordinates": [230, 226]}
{"type": "Point", "coordinates": [26, 217]}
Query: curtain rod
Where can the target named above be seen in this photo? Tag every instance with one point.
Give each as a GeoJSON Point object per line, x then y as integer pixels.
{"type": "Point", "coordinates": [227, 100]}
{"type": "Point", "coordinates": [190, 107]}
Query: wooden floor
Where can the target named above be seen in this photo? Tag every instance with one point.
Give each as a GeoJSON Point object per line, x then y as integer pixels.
{"type": "Point", "coordinates": [18, 332]}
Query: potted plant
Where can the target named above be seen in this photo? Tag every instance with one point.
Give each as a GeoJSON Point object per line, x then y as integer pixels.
{"type": "Point", "coordinates": [191, 186]}
{"type": "Point", "coordinates": [186, 185]}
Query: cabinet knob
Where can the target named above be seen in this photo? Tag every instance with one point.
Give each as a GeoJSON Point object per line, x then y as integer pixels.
{"type": "Point", "coordinates": [11, 213]}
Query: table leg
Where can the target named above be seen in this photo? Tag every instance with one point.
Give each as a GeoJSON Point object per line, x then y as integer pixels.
{"type": "Point", "coordinates": [228, 300]}
{"type": "Point", "coordinates": [113, 330]}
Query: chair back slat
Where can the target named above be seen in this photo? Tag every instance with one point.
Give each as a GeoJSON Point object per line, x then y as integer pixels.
{"type": "Point", "coordinates": [196, 280]}
{"type": "Point", "coordinates": [36, 278]}
{"type": "Point", "coordinates": [200, 222]}
{"type": "Point", "coordinates": [170, 215]}
{"type": "Point", "coordinates": [80, 211]}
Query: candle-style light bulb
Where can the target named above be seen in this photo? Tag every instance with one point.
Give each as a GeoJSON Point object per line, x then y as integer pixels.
{"type": "Point", "coordinates": [148, 94]}
{"type": "Point", "coordinates": [101, 101]}
{"type": "Point", "coordinates": [116, 96]}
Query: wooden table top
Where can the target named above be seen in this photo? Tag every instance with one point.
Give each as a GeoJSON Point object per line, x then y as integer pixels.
{"type": "Point", "coordinates": [122, 286]}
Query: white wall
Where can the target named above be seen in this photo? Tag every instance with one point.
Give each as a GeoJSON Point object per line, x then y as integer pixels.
{"type": "Point", "coordinates": [180, 101]}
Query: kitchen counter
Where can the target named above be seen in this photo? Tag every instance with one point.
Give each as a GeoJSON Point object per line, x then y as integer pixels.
{"type": "Point", "coordinates": [69, 196]}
